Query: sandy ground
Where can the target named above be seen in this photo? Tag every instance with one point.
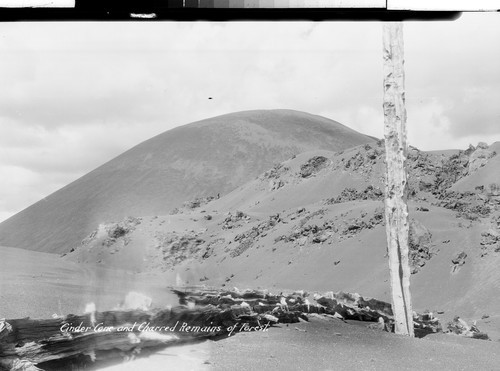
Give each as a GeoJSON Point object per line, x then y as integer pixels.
{"type": "Point", "coordinates": [334, 345]}
{"type": "Point", "coordinates": [38, 285]}
{"type": "Point", "coordinates": [186, 357]}
{"type": "Point", "coordinates": [323, 344]}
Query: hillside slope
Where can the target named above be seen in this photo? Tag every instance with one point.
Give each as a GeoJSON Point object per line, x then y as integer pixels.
{"type": "Point", "coordinates": [209, 157]}
{"type": "Point", "coordinates": [486, 175]}
{"type": "Point", "coordinates": [316, 222]}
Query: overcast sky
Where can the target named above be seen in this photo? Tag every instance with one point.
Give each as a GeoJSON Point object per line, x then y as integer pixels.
{"type": "Point", "coordinates": [75, 95]}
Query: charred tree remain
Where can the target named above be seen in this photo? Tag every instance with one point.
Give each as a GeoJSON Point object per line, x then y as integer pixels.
{"type": "Point", "coordinates": [396, 209]}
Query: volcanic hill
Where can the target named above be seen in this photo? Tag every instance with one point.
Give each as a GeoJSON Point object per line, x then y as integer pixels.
{"type": "Point", "coordinates": [209, 157]}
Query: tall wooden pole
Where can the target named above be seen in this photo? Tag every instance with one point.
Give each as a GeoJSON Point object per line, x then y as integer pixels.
{"type": "Point", "coordinates": [396, 147]}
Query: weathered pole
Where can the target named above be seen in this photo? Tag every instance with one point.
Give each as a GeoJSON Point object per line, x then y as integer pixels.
{"type": "Point", "coordinates": [396, 147]}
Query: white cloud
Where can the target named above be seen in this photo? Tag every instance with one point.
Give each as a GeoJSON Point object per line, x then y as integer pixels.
{"type": "Point", "coordinates": [428, 127]}
{"type": "Point", "coordinates": [20, 186]}
{"type": "Point", "coordinates": [74, 95]}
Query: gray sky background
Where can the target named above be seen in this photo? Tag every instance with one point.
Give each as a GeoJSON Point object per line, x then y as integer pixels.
{"type": "Point", "coordinates": [75, 95]}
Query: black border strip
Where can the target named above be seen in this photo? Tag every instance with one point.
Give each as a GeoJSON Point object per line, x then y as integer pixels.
{"type": "Point", "coordinates": [109, 11]}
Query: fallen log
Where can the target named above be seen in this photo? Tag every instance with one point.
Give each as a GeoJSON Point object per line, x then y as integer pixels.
{"type": "Point", "coordinates": [26, 344]}
{"type": "Point", "coordinates": [114, 334]}
{"type": "Point", "coordinates": [288, 308]}
{"type": "Point", "coordinates": [354, 306]}
{"type": "Point", "coordinates": [258, 300]}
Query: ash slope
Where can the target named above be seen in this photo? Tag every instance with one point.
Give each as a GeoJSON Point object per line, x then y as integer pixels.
{"type": "Point", "coordinates": [316, 222]}
{"type": "Point", "coordinates": [208, 157]}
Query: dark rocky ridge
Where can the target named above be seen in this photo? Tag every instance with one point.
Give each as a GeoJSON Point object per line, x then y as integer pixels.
{"type": "Point", "coordinates": [306, 228]}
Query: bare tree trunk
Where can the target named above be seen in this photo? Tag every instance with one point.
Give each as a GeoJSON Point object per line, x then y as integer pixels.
{"type": "Point", "coordinates": [396, 209]}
